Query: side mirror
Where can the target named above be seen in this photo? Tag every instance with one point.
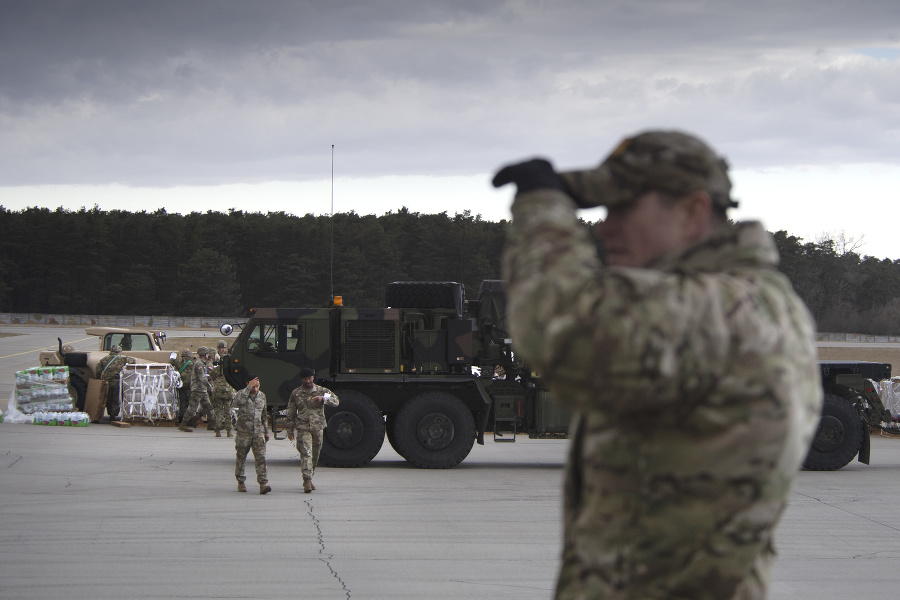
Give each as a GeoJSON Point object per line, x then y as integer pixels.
{"type": "Point", "coordinates": [226, 329]}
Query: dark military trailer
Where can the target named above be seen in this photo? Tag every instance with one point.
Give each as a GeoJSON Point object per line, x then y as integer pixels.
{"type": "Point", "coordinates": [423, 372]}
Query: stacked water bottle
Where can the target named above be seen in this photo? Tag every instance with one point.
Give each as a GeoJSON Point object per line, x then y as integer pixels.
{"type": "Point", "coordinates": [73, 419]}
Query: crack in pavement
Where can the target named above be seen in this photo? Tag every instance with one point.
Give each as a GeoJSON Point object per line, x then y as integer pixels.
{"type": "Point", "coordinates": [13, 462]}
{"type": "Point", "coordinates": [324, 556]}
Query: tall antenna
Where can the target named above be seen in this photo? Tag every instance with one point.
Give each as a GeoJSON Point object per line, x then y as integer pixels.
{"type": "Point", "coordinates": [331, 268]}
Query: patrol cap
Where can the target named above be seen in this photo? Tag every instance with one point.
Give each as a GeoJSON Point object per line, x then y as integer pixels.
{"type": "Point", "coordinates": [306, 372]}
{"type": "Point", "coordinates": [672, 162]}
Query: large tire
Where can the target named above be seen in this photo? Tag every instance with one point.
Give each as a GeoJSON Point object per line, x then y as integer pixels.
{"type": "Point", "coordinates": [77, 390]}
{"type": "Point", "coordinates": [838, 438]}
{"type": "Point", "coordinates": [434, 430]}
{"type": "Point", "coordinates": [390, 428]}
{"type": "Point", "coordinates": [355, 431]}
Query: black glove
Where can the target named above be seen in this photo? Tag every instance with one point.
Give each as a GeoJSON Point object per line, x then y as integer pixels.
{"type": "Point", "coordinates": [534, 174]}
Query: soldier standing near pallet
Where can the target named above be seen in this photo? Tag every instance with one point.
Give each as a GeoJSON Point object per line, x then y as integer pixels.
{"type": "Point", "coordinates": [223, 393]}
{"type": "Point", "coordinates": [688, 359]}
{"type": "Point", "coordinates": [185, 366]}
{"type": "Point", "coordinates": [200, 389]}
{"type": "Point", "coordinates": [251, 433]}
{"type": "Point", "coordinates": [108, 370]}
{"type": "Point", "coordinates": [306, 415]}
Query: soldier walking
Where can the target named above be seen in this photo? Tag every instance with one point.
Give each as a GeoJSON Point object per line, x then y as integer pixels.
{"type": "Point", "coordinates": [200, 389]}
{"type": "Point", "coordinates": [306, 416]}
{"type": "Point", "coordinates": [223, 393]}
{"type": "Point", "coordinates": [251, 433]}
{"type": "Point", "coordinates": [108, 370]}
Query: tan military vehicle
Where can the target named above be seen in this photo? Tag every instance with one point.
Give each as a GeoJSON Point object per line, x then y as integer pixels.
{"type": "Point", "coordinates": [144, 345]}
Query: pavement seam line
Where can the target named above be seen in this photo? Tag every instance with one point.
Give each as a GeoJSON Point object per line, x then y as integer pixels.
{"type": "Point", "coordinates": [325, 557]}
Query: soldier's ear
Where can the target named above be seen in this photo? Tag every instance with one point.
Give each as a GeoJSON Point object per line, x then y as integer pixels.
{"type": "Point", "coordinates": [697, 214]}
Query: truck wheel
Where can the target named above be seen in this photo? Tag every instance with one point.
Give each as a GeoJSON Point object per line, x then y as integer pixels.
{"type": "Point", "coordinates": [355, 431]}
{"type": "Point", "coordinates": [78, 391]}
{"type": "Point", "coordinates": [838, 438]}
{"type": "Point", "coordinates": [390, 428]}
{"type": "Point", "coordinates": [434, 430]}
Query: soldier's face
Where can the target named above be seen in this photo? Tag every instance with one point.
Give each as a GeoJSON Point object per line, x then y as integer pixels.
{"type": "Point", "coordinates": [307, 382]}
{"type": "Point", "coordinates": [639, 232]}
{"type": "Point", "coordinates": [253, 385]}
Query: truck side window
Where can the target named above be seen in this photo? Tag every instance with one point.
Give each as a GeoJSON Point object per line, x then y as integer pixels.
{"type": "Point", "coordinates": [262, 339]}
{"type": "Point", "coordinates": [292, 338]}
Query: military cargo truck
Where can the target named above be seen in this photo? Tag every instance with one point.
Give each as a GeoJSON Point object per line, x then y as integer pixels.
{"type": "Point", "coordinates": [142, 344]}
{"type": "Point", "coordinates": [434, 372]}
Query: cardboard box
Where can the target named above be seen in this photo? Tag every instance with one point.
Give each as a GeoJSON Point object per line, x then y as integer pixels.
{"type": "Point", "coordinates": [95, 399]}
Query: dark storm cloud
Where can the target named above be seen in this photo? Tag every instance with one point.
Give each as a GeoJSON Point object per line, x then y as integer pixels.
{"type": "Point", "coordinates": [169, 93]}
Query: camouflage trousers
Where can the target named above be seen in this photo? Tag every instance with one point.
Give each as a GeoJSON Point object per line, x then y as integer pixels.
{"type": "Point", "coordinates": [184, 399]}
{"type": "Point", "coordinates": [198, 400]}
{"type": "Point", "coordinates": [112, 398]}
{"type": "Point", "coordinates": [243, 443]}
{"type": "Point", "coordinates": [222, 408]}
{"type": "Point", "coordinates": [309, 445]}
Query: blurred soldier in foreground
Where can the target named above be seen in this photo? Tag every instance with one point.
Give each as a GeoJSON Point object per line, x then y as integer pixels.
{"type": "Point", "coordinates": [108, 370]}
{"type": "Point", "coordinates": [185, 366]}
{"type": "Point", "coordinates": [689, 362]}
{"type": "Point", "coordinates": [200, 389]}
{"type": "Point", "coordinates": [222, 393]}
{"type": "Point", "coordinates": [251, 433]}
{"type": "Point", "coordinates": [306, 415]}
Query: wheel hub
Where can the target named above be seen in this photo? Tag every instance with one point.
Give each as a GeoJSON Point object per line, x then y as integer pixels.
{"type": "Point", "coordinates": [345, 430]}
{"type": "Point", "coordinates": [830, 435]}
{"type": "Point", "coordinates": [435, 431]}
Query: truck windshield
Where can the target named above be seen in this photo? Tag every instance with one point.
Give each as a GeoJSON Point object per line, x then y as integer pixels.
{"type": "Point", "coordinates": [127, 341]}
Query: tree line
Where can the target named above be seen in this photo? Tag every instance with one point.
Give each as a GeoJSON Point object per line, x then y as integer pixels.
{"type": "Point", "coordinates": [92, 261]}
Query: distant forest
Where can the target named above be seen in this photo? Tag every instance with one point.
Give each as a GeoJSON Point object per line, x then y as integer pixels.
{"type": "Point", "coordinates": [218, 264]}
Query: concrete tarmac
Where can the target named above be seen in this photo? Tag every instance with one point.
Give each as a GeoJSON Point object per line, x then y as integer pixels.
{"type": "Point", "coordinates": [152, 512]}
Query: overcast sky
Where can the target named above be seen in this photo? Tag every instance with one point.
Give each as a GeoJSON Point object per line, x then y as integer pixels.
{"type": "Point", "coordinates": [212, 105]}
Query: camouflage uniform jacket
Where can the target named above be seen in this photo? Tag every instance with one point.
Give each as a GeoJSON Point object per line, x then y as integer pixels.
{"type": "Point", "coordinates": [696, 393]}
{"type": "Point", "coordinates": [200, 377]}
{"type": "Point", "coordinates": [251, 413]}
{"type": "Point", "coordinates": [303, 414]}
{"type": "Point", "coordinates": [109, 367]}
{"type": "Point", "coordinates": [220, 386]}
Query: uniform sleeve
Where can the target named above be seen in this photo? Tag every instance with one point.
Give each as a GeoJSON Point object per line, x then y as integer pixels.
{"type": "Point", "coordinates": [333, 400]}
{"type": "Point", "coordinates": [604, 335]}
{"type": "Point", "coordinates": [265, 414]}
{"type": "Point", "coordinates": [291, 417]}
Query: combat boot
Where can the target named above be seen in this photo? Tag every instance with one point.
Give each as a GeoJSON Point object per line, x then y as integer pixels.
{"type": "Point", "coordinates": [218, 433]}
{"type": "Point", "coordinates": [264, 489]}
{"type": "Point", "coordinates": [229, 433]}
{"type": "Point", "coordinates": [241, 486]}
{"type": "Point", "coordinates": [307, 486]}
{"type": "Point", "coordinates": [311, 484]}
{"type": "Point", "coordinates": [183, 427]}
